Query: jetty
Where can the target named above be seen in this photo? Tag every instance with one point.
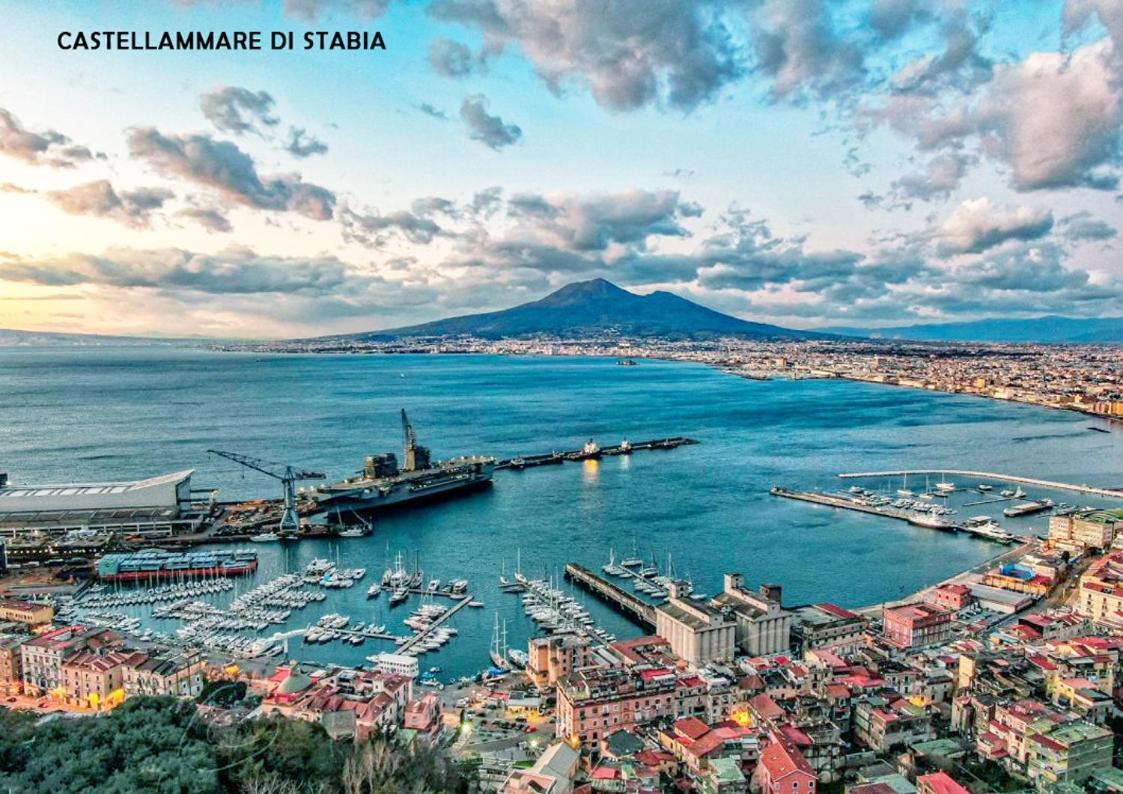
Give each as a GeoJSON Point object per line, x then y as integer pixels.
{"type": "Point", "coordinates": [441, 619]}
{"type": "Point", "coordinates": [990, 475]}
{"type": "Point", "coordinates": [631, 607]}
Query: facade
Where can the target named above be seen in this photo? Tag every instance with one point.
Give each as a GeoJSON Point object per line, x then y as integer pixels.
{"type": "Point", "coordinates": [826, 626]}
{"type": "Point", "coordinates": [698, 633]}
{"type": "Point", "coordinates": [173, 674]}
{"type": "Point", "coordinates": [11, 662]}
{"type": "Point", "coordinates": [350, 704]}
{"type": "Point", "coordinates": [763, 625]}
{"type": "Point", "coordinates": [882, 726]}
{"type": "Point", "coordinates": [92, 679]}
{"type": "Point", "coordinates": [1070, 754]}
{"type": "Point", "coordinates": [554, 657]}
{"type": "Point", "coordinates": [953, 597]}
{"type": "Point", "coordinates": [782, 770]}
{"type": "Point", "coordinates": [424, 716]}
{"type": "Point", "coordinates": [26, 612]}
{"type": "Point", "coordinates": [399, 664]}
{"type": "Point", "coordinates": [916, 625]}
{"type": "Point", "coordinates": [1101, 591]}
{"type": "Point", "coordinates": [1091, 529]}
{"type": "Point", "coordinates": [595, 702]}
{"type": "Point", "coordinates": [42, 657]}
{"type": "Point", "coordinates": [938, 783]}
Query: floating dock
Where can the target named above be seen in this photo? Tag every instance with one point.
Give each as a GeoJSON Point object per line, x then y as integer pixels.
{"type": "Point", "coordinates": [990, 475]}
{"type": "Point", "coordinates": [631, 607]}
{"type": "Point", "coordinates": [444, 616]}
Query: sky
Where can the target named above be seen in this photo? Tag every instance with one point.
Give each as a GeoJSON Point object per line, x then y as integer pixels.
{"type": "Point", "coordinates": [808, 163]}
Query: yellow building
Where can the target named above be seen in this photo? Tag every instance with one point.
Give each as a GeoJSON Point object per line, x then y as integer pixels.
{"type": "Point", "coordinates": [26, 612]}
{"type": "Point", "coordinates": [1101, 591]}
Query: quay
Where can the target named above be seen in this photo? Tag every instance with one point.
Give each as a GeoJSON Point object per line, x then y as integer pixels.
{"type": "Point", "coordinates": [849, 504]}
{"type": "Point", "coordinates": [639, 611]}
{"type": "Point", "coordinates": [917, 520]}
{"type": "Point", "coordinates": [441, 619]}
{"type": "Point", "coordinates": [990, 475]}
{"type": "Point", "coordinates": [557, 457]}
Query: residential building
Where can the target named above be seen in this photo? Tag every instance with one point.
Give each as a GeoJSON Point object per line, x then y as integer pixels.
{"type": "Point", "coordinates": [11, 662]}
{"type": "Point", "coordinates": [26, 612]}
{"type": "Point", "coordinates": [916, 625]}
{"type": "Point", "coordinates": [42, 656]}
{"type": "Point", "coordinates": [1101, 591]}
{"type": "Point", "coordinates": [172, 673]}
{"type": "Point", "coordinates": [554, 657]}
{"type": "Point", "coordinates": [938, 783]}
{"type": "Point", "coordinates": [594, 702]}
{"type": "Point", "coordinates": [1070, 754]}
{"type": "Point", "coordinates": [1094, 529]}
{"type": "Point", "coordinates": [782, 770]}
{"type": "Point", "coordinates": [826, 626]}
{"type": "Point", "coordinates": [93, 679]}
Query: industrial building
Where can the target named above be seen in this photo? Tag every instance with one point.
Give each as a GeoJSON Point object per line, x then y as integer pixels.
{"type": "Point", "coordinates": [157, 505]}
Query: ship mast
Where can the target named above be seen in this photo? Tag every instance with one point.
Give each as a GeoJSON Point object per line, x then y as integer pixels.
{"type": "Point", "coordinates": [410, 462]}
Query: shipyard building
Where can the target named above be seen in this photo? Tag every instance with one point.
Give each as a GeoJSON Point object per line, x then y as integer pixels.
{"type": "Point", "coordinates": [40, 522]}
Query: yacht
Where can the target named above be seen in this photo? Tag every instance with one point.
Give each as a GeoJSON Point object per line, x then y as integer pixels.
{"type": "Point", "coordinates": [265, 537]}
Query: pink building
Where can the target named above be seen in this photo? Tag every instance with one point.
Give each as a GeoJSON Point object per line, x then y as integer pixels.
{"type": "Point", "coordinates": [783, 770]}
{"type": "Point", "coordinates": [914, 625]}
{"type": "Point", "coordinates": [424, 716]}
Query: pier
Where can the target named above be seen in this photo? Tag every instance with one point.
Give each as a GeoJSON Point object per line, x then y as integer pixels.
{"type": "Point", "coordinates": [639, 611]}
{"type": "Point", "coordinates": [849, 504]}
{"type": "Point", "coordinates": [444, 616]}
{"type": "Point", "coordinates": [557, 457]}
{"type": "Point", "coordinates": [990, 475]}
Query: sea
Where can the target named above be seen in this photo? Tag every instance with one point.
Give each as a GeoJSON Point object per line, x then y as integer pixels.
{"type": "Point", "coordinates": [110, 413]}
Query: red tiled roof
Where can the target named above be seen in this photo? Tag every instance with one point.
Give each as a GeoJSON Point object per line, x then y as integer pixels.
{"type": "Point", "coordinates": [941, 783]}
{"type": "Point", "coordinates": [691, 727]}
{"type": "Point", "coordinates": [781, 761]}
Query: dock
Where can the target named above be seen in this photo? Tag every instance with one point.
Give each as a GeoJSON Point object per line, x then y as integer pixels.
{"type": "Point", "coordinates": [557, 457]}
{"type": "Point", "coordinates": [418, 637]}
{"type": "Point", "coordinates": [990, 475]}
{"type": "Point", "coordinates": [631, 607]}
{"type": "Point", "coordinates": [846, 503]}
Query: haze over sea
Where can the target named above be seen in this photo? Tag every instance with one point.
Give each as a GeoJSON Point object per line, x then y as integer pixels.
{"type": "Point", "coordinates": [74, 415]}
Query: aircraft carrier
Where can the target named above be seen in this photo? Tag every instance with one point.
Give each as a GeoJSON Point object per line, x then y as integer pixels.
{"type": "Point", "coordinates": [383, 485]}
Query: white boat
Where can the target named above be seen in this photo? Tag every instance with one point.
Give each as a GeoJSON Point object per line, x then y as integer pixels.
{"type": "Point", "coordinates": [353, 532]}
{"type": "Point", "coordinates": [266, 537]}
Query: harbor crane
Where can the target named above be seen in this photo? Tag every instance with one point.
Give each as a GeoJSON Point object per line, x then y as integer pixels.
{"type": "Point", "coordinates": [288, 475]}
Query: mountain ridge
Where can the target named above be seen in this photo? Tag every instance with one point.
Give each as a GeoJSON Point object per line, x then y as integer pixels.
{"type": "Point", "coordinates": [1046, 329]}
{"type": "Point", "coordinates": [596, 306]}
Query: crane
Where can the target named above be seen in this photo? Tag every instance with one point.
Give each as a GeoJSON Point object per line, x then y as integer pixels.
{"type": "Point", "coordinates": [288, 475]}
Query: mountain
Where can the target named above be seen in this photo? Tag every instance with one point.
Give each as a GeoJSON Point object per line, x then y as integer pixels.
{"type": "Point", "coordinates": [12, 338]}
{"type": "Point", "coordinates": [595, 308]}
{"type": "Point", "coordinates": [1051, 329]}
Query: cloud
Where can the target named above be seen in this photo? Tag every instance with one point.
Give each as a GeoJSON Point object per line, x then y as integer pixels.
{"type": "Point", "coordinates": [234, 271]}
{"type": "Point", "coordinates": [210, 219]}
{"type": "Point", "coordinates": [959, 65]}
{"type": "Point", "coordinates": [302, 145]}
{"type": "Point", "coordinates": [593, 222]}
{"type": "Point", "coordinates": [629, 54]}
{"type": "Point", "coordinates": [453, 59]}
{"type": "Point", "coordinates": [429, 110]}
{"type": "Point", "coordinates": [238, 110]}
{"type": "Point", "coordinates": [311, 10]}
{"type": "Point", "coordinates": [1081, 226]}
{"type": "Point", "coordinates": [797, 47]}
{"type": "Point", "coordinates": [978, 224]}
{"type": "Point", "coordinates": [224, 167]}
{"type": "Point", "coordinates": [100, 199]}
{"type": "Point", "coordinates": [1053, 119]}
{"type": "Point", "coordinates": [942, 175]}
{"type": "Point", "coordinates": [371, 228]}
{"type": "Point", "coordinates": [891, 18]}
{"type": "Point", "coordinates": [48, 147]}
{"type": "Point", "coordinates": [489, 130]}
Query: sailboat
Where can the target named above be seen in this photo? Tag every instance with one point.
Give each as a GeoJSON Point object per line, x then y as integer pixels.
{"type": "Point", "coordinates": [499, 646]}
{"type": "Point", "coordinates": [904, 489]}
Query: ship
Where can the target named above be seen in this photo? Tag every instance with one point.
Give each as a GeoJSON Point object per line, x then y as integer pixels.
{"type": "Point", "coordinates": [588, 452]}
{"type": "Point", "coordinates": [1028, 508]}
{"type": "Point", "coordinates": [382, 485]}
{"type": "Point", "coordinates": [154, 564]}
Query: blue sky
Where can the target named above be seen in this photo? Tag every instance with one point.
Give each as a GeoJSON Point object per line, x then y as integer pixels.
{"type": "Point", "coordinates": [804, 162]}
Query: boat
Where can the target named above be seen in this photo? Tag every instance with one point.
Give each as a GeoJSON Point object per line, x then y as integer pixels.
{"type": "Point", "coordinates": [1028, 508]}
{"type": "Point", "coordinates": [476, 604]}
{"type": "Point", "coordinates": [983, 487]}
{"type": "Point", "coordinates": [154, 564]}
{"type": "Point", "coordinates": [399, 595]}
{"type": "Point", "coordinates": [588, 452]}
{"type": "Point", "coordinates": [518, 658]}
{"type": "Point", "coordinates": [383, 485]}
{"type": "Point", "coordinates": [499, 648]}
{"type": "Point", "coordinates": [375, 590]}
{"type": "Point", "coordinates": [353, 532]}
{"type": "Point", "coordinates": [265, 537]}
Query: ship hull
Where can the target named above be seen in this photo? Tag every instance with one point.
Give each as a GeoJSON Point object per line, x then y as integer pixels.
{"type": "Point", "coordinates": [402, 496]}
{"type": "Point", "coordinates": [176, 573]}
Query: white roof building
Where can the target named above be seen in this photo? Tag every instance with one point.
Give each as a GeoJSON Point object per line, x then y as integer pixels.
{"type": "Point", "coordinates": [163, 492]}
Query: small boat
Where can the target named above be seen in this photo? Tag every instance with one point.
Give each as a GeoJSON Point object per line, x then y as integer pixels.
{"type": "Point", "coordinates": [476, 604]}
{"type": "Point", "coordinates": [266, 537]}
{"type": "Point", "coordinates": [374, 590]}
{"type": "Point", "coordinates": [353, 532]}
{"type": "Point", "coordinates": [983, 487]}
